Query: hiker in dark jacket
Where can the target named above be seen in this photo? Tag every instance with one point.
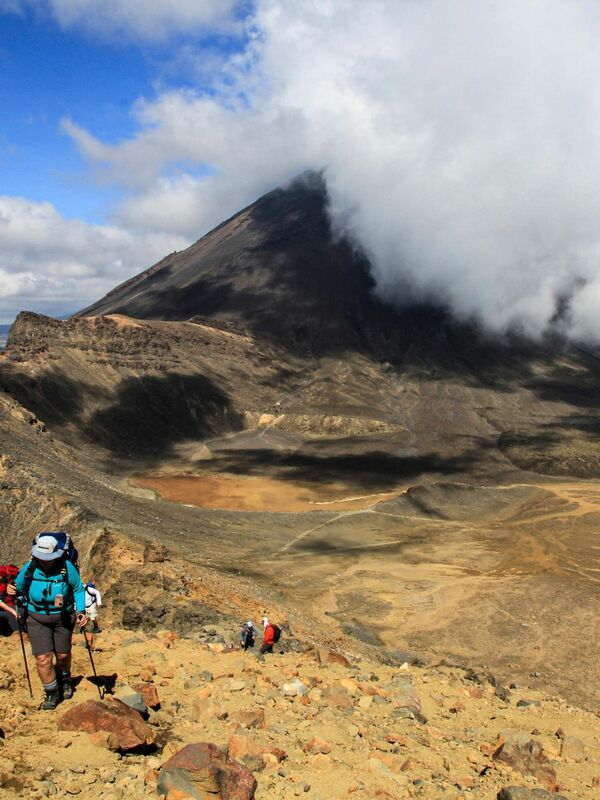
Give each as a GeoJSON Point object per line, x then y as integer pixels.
{"type": "Point", "coordinates": [52, 602]}
{"type": "Point", "coordinates": [247, 635]}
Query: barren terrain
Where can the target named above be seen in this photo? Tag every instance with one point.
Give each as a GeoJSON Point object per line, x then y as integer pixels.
{"type": "Point", "coordinates": [394, 484]}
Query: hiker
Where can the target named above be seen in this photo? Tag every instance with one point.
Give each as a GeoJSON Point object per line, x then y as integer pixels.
{"type": "Point", "coordinates": [8, 613]}
{"type": "Point", "coordinates": [247, 635]}
{"type": "Point", "coordinates": [93, 601]}
{"type": "Point", "coordinates": [49, 592]}
{"type": "Point", "coordinates": [272, 634]}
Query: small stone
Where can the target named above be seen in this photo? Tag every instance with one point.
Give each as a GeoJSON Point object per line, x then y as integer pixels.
{"type": "Point", "coordinates": [524, 703]}
{"type": "Point", "coordinates": [317, 745]}
{"type": "Point", "coordinates": [503, 693]}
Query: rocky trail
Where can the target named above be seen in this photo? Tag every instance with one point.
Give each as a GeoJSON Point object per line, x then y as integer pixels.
{"type": "Point", "coordinates": [312, 723]}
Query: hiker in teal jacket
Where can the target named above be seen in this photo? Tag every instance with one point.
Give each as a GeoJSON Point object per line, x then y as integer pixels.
{"type": "Point", "coordinates": [52, 596]}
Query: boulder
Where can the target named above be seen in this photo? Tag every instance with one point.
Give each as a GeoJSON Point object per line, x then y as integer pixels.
{"type": "Point", "coordinates": [526, 755]}
{"type": "Point", "coordinates": [112, 716]}
{"type": "Point", "coordinates": [202, 768]}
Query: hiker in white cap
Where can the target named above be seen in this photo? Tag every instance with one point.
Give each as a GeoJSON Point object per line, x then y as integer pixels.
{"type": "Point", "coordinates": [52, 597]}
{"type": "Point", "coordinates": [269, 636]}
{"type": "Point", "coordinates": [247, 635]}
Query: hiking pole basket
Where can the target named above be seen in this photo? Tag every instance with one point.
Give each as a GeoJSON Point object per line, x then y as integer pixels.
{"type": "Point", "coordinates": [89, 649]}
{"type": "Point", "coordinates": [20, 627]}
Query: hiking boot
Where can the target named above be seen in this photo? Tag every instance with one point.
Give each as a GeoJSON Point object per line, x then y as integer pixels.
{"type": "Point", "coordinates": [67, 688]}
{"type": "Point", "coordinates": [51, 700]}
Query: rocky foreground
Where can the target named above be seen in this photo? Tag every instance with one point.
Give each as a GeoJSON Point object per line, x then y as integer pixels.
{"type": "Point", "coordinates": [309, 722]}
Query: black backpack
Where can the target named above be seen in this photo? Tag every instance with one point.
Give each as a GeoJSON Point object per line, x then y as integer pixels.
{"type": "Point", "coordinates": [276, 633]}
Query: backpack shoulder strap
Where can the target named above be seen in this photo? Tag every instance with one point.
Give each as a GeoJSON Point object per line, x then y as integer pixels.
{"type": "Point", "coordinates": [23, 597]}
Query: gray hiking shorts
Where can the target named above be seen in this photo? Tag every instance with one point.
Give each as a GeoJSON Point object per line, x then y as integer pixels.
{"type": "Point", "coordinates": [50, 633]}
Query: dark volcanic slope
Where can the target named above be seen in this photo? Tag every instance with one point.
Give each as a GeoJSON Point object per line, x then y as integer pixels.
{"type": "Point", "coordinates": [276, 271]}
{"type": "Point", "coordinates": [272, 269]}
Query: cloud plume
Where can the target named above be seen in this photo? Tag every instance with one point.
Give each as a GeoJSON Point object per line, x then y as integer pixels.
{"type": "Point", "coordinates": [459, 141]}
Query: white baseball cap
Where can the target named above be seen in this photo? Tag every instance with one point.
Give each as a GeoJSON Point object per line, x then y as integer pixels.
{"type": "Point", "coordinates": [46, 549]}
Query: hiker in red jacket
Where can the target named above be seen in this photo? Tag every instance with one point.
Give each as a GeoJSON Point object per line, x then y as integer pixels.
{"type": "Point", "coordinates": [269, 637]}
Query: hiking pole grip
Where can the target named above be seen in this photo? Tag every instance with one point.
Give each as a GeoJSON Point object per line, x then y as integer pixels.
{"type": "Point", "coordinates": [89, 649]}
{"type": "Point", "coordinates": [19, 625]}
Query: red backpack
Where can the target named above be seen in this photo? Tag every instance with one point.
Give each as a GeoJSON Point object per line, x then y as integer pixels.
{"type": "Point", "coordinates": [8, 573]}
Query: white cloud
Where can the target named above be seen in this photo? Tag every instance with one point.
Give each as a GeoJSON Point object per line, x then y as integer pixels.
{"type": "Point", "coordinates": [462, 136]}
{"type": "Point", "coordinates": [459, 139]}
{"type": "Point", "coordinates": [141, 20]}
{"type": "Point", "coordinates": [49, 262]}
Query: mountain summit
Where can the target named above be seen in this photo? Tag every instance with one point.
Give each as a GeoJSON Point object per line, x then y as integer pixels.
{"type": "Point", "coordinates": [274, 268]}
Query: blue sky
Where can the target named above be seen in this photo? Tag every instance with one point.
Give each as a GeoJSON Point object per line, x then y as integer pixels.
{"type": "Point", "coordinates": [47, 74]}
{"type": "Point", "coordinates": [459, 141]}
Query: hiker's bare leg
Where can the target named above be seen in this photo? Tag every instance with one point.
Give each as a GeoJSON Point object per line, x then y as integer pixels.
{"type": "Point", "coordinates": [63, 662]}
{"type": "Point", "coordinates": [45, 668]}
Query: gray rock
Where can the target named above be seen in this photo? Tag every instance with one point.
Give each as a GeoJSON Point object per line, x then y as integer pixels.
{"type": "Point", "coordinates": [524, 703]}
{"type": "Point", "coordinates": [520, 793]}
{"type": "Point", "coordinates": [503, 693]}
{"type": "Point", "coordinates": [131, 698]}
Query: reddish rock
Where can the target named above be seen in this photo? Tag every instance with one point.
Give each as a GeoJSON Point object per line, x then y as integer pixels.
{"type": "Point", "coordinates": [475, 692]}
{"type": "Point", "coordinates": [176, 794]}
{"type": "Point", "coordinates": [201, 768]}
{"type": "Point", "coordinates": [246, 750]}
{"type": "Point", "coordinates": [596, 780]}
{"type": "Point", "coordinates": [526, 756]}
{"type": "Point", "coordinates": [456, 707]}
{"type": "Point", "coordinates": [112, 716]}
{"type": "Point", "coordinates": [149, 694]}
{"type": "Point", "coordinates": [151, 778]}
{"type": "Point", "coordinates": [317, 745]}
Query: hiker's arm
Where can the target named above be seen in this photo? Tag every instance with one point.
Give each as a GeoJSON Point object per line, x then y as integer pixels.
{"type": "Point", "coordinates": [20, 579]}
{"type": "Point", "coordinates": [8, 608]}
{"type": "Point", "coordinates": [77, 587]}
{"type": "Point", "coordinates": [98, 598]}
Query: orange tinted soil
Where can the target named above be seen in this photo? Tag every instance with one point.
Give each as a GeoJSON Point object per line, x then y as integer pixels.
{"type": "Point", "coordinates": [255, 493]}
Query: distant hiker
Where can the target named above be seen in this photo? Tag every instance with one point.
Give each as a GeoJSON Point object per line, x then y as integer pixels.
{"type": "Point", "coordinates": [247, 635]}
{"type": "Point", "coordinates": [271, 636]}
{"type": "Point", "coordinates": [8, 613]}
{"type": "Point", "coordinates": [49, 591]}
{"type": "Point", "coordinates": [93, 601]}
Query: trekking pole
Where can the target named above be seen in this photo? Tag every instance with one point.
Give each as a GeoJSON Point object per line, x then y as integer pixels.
{"type": "Point", "coordinates": [24, 657]}
{"type": "Point", "coordinates": [89, 649]}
